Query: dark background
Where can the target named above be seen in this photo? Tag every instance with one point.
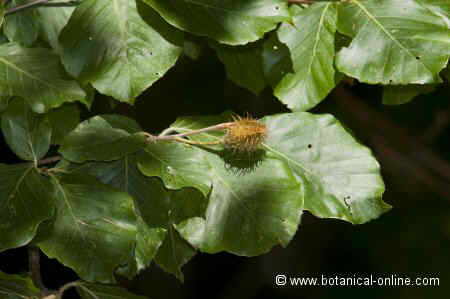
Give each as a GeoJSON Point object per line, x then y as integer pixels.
{"type": "Point", "coordinates": [411, 142]}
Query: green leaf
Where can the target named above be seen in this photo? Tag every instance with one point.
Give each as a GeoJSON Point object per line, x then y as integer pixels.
{"type": "Point", "coordinates": [165, 210]}
{"type": "Point", "coordinates": [21, 27]}
{"type": "Point", "coordinates": [98, 291]}
{"type": "Point", "coordinates": [310, 39]}
{"type": "Point", "coordinates": [124, 175]}
{"type": "Point", "coordinates": [27, 133]}
{"type": "Point", "coordinates": [36, 75]}
{"type": "Point", "coordinates": [340, 177]}
{"type": "Point", "coordinates": [243, 65]}
{"type": "Point", "coordinates": [25, 201]}
{"type": "Point", "coordinates": [115, 50]}
{"type": "Point", "coordinates": [229, 22]}
{"type": "Point", "coordinates": [394, 41]}
{"type": "Point", "coordinates": [52, 20]}
{"type": "Point", "coordinates": [440, 8]}
{"type": "Point", "coordinates": [63, 120]}
{"type": "Point", "coordinates": [17, 287]}
{"type": "Point", "coordinates": [401, 94]}
{"type": "Point", "coordinates": [178, 165]}
{"type": "Point", "coordinates": [255, 203]}
{"type": "Point", "coordinates": [95, 227]}
{"type": "Point", "coordinates": [248, 213]}
{"type": "Point", "coordinates": [158, 210]}
{"type": "Point", "coordinates": [98, 139]}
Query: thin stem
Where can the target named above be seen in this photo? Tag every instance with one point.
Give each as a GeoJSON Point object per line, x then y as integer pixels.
{"type": "Point", "coordinates": [218, 127]}
{"type": "Point", "coordinates": [49, 160]}
{"type": "Point", "coordinates": [167, 131]}
{"type": "Point", "coordinates": [163, 136]}
{"type": "Point", "coordinates": [62, 3]}
{"type": "Point", "coordinates": [25, 6]}
{"type": "Point", "coordinates": [35, 268]}
{"type": "Point", "coordinates": [301, 1]}
{"type": "Point", "coordinates": [196, 142]}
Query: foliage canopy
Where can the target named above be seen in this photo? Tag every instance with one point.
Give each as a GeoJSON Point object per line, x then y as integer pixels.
{"type": "Point", "coordinates": [120, 198]}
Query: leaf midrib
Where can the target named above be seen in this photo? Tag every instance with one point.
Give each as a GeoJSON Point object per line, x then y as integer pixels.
{"type": "Point", "coordinates": [13, 66]}
{"type": "Point", "coordinates": [385, 31]}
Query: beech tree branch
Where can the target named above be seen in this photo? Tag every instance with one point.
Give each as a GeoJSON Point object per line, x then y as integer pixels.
{"type": "Point", "coordinates": [153, 138]}
{"type": "Point", "coordinates": [37, 3]}
{"type": "Point", "coordinates": [25, 6]}
{"type": "Point", "coordinates": [301, 1]}
{"type": "Point", "coordinates": [49, 160]}
{"type": "Point", "coordinates": [218, 127]}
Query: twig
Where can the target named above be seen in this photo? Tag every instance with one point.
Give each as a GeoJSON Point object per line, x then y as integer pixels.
{"type": "Point", "coordinates": [35, 268]}
{"type": "Point", "coordinates": [25, 6]}
{"type": "Point", "coordinates": [49, 160]}
{"type": "Point", "coordinates": [162, 136]}
{"type": "Point", "coordinates": [218, 127]}
{"type": "Point", "coordinates": [62, 3]}
{"type": "Point", "coordinates": [196, 142]}
{"type": "Point", "coordinates": [301, 1]}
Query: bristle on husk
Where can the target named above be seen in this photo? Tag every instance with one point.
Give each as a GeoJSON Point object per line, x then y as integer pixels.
{"type": "Point", "coordinates": [245, 135]}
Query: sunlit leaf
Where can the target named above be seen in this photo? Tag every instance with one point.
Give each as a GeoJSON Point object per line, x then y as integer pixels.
{"type": "Point", "coordinates": [229, 22]}
{"type": "Point", "coordinates": [310, 39]}
{"type": "Point", "coordinates": [255, 203]}
{"type": "Point", "coordinates": [394, 41]}
{"type": "Point", "coordinates": [340, 177]}
{"type": "Point", "coordinates": [116, 50]}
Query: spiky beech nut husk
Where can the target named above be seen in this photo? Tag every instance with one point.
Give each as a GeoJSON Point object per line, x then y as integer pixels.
{"type": "Point", "coordinates": [245, 135]}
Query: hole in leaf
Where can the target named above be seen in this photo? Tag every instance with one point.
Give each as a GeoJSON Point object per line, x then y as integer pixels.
{"type": "Point", "coordinates": [309, 145]}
